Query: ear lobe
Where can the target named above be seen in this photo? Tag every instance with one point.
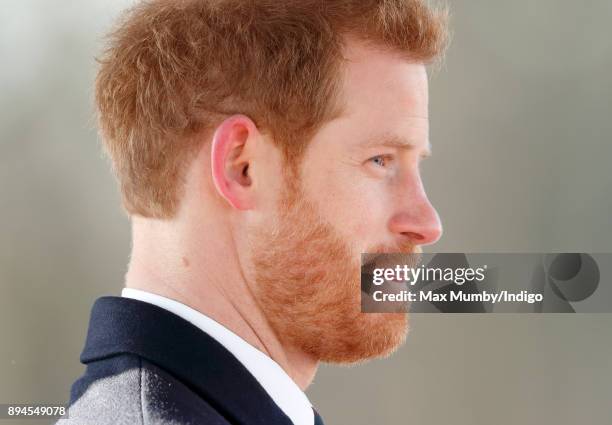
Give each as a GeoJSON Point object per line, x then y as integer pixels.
{"type": "Point", "coordinates": [230, 160]}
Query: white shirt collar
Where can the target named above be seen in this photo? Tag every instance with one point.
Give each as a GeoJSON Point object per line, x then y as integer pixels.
{"type": "Point", "coordinates": [281, 388]}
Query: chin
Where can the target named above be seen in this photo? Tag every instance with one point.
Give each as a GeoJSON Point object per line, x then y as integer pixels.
{"type": "Point", "coordinates": [376, 335]}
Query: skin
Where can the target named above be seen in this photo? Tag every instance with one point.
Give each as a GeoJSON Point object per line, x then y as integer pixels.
{"type": "Point", "coordinates": [278, 264]}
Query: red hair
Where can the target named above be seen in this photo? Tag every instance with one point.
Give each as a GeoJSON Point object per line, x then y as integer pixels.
{"type": "Point", "coordinates": [175, 68]}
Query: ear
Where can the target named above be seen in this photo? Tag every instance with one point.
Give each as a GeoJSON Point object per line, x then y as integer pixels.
{"type": "Point", "coordinates": [231, 151]}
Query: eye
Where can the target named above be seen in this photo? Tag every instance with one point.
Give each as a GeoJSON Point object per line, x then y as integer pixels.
{"type": "Point", "coordinates": [381, 160]}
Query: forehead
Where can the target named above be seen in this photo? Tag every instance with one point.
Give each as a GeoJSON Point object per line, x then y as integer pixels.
{"type": "Point", "coordinates": [378, 78]}
{"type": "Point", "coordinates": [383, 97]}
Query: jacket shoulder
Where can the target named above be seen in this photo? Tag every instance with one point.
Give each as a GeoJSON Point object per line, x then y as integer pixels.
{"type": "Point", "coordinates": [127, 389]}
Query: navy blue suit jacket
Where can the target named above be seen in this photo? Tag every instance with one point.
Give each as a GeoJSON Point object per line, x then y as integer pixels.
{"type": "Point", "coordinates": [146, 365]}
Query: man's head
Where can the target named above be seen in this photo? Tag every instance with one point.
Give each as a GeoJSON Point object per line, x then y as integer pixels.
{"type": "Point", "coordinates": [298, 126]}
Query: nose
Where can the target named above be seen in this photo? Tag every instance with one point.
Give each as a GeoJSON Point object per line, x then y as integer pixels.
{"type": "Point", "coordinates": [417, 220]}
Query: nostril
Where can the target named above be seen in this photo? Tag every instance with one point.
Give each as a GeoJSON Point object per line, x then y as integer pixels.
{"type": "Point", "coordinates": [414, 236]}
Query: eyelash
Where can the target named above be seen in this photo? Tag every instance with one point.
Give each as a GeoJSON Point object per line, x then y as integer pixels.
{"type": "Point", "coordinates": [387, 158]}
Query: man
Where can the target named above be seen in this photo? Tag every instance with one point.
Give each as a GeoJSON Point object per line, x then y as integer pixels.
{"type": "Point", "coordinates": [260, 146]}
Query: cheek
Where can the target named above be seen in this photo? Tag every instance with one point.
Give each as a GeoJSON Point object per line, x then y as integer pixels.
{"type": "Point", "coordinates": [357, 209]}
{"type": "Point", "coordinates": [369, 214]}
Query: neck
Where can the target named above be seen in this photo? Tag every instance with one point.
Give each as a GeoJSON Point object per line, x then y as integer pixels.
{"type": "Point", "coordinates": [165, 262]}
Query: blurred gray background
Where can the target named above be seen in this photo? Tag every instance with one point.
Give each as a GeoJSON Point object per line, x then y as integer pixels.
{"type": "Point", "coordinates": [521, 131]}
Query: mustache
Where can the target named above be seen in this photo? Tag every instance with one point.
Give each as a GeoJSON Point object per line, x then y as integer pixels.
{"type": "Point", "coordinates": [389, 256]}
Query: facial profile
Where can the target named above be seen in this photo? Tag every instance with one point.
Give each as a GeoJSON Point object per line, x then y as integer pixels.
{"type": "Point", "coordinates": [348, 195]}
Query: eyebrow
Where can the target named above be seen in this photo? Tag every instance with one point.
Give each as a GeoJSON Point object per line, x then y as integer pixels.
{"type": "Point", "coordinates": [394, 141]}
